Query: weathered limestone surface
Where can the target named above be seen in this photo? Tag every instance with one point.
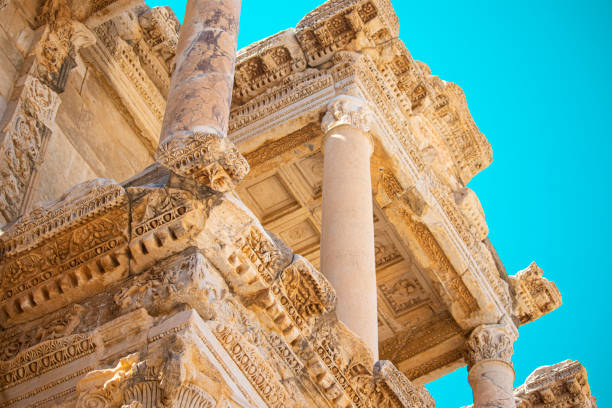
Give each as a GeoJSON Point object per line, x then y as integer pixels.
{"type": "Point", "coordinates": [491, 374]}
{"type": "Point", "coordinates": [41, 45]}
{"type": "Point", "coordinates": [194, 133]}
{"type": "Point", "coordinates": [347, 237]}
{"type": "Point", "coordinates": [180, 287]}
{"type": "Point", "coordinates": [562, 385]}
{"type": "Point", "coordinates": [177, 289]}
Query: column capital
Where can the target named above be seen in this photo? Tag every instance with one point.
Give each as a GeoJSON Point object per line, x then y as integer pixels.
{"type": "Point", "coordinates": [347, 110]}
{"type": "Point", "coordinates": [490, 343]}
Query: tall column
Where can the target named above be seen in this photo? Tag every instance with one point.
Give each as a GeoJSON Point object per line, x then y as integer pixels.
{"type": "Point", "coordinates": [491, 374]}
{"type": "Point", "coordinates": [347, 237]}
{"type": "Point", "coordinates": [194, 139]}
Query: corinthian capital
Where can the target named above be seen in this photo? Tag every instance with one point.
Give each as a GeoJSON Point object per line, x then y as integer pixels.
{"type": "Point", "coordinates": [490, 342]}
{"type": "Point", "coordinates": [347, 110]}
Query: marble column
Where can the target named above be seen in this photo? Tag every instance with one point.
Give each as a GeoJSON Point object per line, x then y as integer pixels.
{"type": "Point", "coordinates": [347, 237]}
{"type": "Point", "coordinates": [194, 139]}
{"type": "Point", "coordinates": [491, 374]}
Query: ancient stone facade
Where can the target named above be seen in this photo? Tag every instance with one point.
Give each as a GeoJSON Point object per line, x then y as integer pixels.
{"type": "Point", "coordinates": [301, 234]}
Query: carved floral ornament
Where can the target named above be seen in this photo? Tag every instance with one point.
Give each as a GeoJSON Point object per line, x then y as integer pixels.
{"type": "Point", "coordinates": [347, 110]}
{"type": "Point", "coordinates": [490, 343]}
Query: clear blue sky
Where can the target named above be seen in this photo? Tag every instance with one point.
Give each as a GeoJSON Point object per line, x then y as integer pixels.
{"type": "Point", "coordinates": [537, 79]}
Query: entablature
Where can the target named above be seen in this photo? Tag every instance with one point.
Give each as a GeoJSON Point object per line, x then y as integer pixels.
{"type": "Point", "coordinates": [562, 385]}
{"type": "Point", "coordinates": [203, 289]}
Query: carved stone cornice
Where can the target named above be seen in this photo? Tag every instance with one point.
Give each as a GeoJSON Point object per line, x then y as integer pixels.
{"type": "Point", "coordinates": [347, 110]}
{"type": "Point", "coordinates": [561, 385]}
{"type": "Point", "coordinates": [406, 393]}
{"type": "Point", "coordinates": [489, 343]}
{"type": "Point", "coordinates": [341, 24]}
{"type": "Point", "coordinates": [265, 64]}
{"type": "Point", "coordinates": [535, 295]}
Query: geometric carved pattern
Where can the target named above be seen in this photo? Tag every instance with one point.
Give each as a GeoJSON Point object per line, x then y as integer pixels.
{"type": "Point", "coordinates": [403, 293]}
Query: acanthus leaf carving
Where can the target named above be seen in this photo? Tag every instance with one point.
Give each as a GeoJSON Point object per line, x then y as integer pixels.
{"type": "Point", "coordinates": [209, 158]}
{"type": "Point", "coordinates": [490, 342]}
{"type": "Point", "coordinates": [175, 281]}
{"type": "Point", "coordinates": [104, 388]}
{"type": "Point", "coordinates": [347, 110]}
{"type": "Point", "coordinates": [53, 327]}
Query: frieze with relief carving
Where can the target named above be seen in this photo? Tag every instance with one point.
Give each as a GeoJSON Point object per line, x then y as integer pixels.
{"type": "Point", "coordinates": [177, 281]}
{"type": "Point", "coordinates": [58, 253]}
{"type": "Point", "coordinates": [22, 142]}
{"type": "Point", "coordinates": [535, 295]}
{"type": "Point", "coordinates": [562, 385]}
{"type": "Point", "coordinates": [349, 23]}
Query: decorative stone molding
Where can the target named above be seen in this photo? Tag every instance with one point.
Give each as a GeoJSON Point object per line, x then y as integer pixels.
{"type": "Point", "coordinates": [266, 64]}
{"type": "Point", "coordinates": [406, 393]}
{"type": "Point", "coordinates": [298, 298]}
{"type": "Point", "coordinates": [347, 110]}
{"type": "Point", "coordinates": [54, 326]}
{"type": "Point", "coordinates": [44, 357]}
{"type": "Point", "coordinates": [469, 204]}
{"type": "Point", "coordinates": [62, 251]}
{"type": "Point", "coordinates": [338, 24]}
{"type": "Point", "coordinates": [535, 295]}
{"type": "Point", "coordinates": [489, 343]}
{"type": "Point", "coordinates": [417, 340]}
{"type": "Point", "coordinates": [562, 385]}
{"type": "Point", "coordinates": [104, 388]}
{"type": "Point", "coordinates": [193, 139]}
{"type": "Point", "coordinates": [23, 142]}
{"type": "Point", "coordinates": [161, 29]}
{"type": "Point", "coordinates": [253, 365]}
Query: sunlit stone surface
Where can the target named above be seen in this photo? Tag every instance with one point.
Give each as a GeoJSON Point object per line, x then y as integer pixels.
{"type": "Point", "coordinates": [193, 280]}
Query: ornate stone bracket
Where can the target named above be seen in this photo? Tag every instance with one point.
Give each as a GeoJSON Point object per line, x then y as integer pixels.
{"type": "Point", "coordinates": [560, 385]}
{"type": "Point", "coordinates": [535, 295]}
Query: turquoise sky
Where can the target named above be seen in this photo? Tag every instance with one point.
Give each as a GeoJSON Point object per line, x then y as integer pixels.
{"type": "Point", "coordinates": [537, 78]}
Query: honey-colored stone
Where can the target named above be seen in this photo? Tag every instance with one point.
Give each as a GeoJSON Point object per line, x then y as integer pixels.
{"type": "Point", "coordinates": [193, 138]}
{"type": "Point", "coordinates": [191, 283]}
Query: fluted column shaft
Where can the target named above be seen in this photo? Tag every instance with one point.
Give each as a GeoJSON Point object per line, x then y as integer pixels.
{"type": "Point", "coordinates": [347, 237]}
{"type": "Point", "coordinates": [194, 140]}
{"type": "Point", "coordinates": [491, 374]}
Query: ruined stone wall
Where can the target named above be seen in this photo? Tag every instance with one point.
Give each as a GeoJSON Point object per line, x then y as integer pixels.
{"type": "Point", "coordinates": [87, 134]}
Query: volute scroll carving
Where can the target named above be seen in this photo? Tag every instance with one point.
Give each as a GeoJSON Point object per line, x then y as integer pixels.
{"type": "Point", "coordinates": [490, 343]}
{"type": "Point", "coordinates": [347, 110]}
